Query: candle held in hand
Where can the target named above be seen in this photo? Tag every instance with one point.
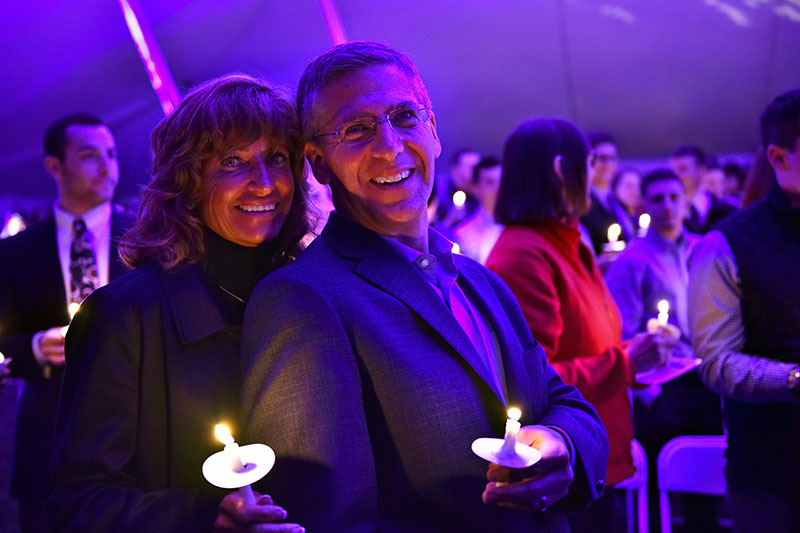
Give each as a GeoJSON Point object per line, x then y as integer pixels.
{"type": "Point", "coordinates": [231, 448]}
{"type": "Point", "coordinates": [644, 223]}
{"type": "Point", "coordinates": [663, 312]}
{"type": "Point", "coordinates": [459, 199]}
{"type": "Point", "coordinates": [614, 231]}
{"type": "Point", "coordinates": [512, 429]}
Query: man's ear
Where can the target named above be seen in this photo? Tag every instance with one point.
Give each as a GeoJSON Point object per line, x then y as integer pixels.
{"type": "Point", "coordinates": [315, 158]}
{"type": "Point", "coordinates": [438, 151]}
{"type": "Point", "coordinates": [557, 167]}
{"type": "Point", "coordinates": [777, 157]}
{"type": "Point", "coordinates": [53, 166]}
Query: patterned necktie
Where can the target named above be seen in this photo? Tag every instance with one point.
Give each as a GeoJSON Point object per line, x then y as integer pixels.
{"type": "Point", "coordinates": [82, 266]}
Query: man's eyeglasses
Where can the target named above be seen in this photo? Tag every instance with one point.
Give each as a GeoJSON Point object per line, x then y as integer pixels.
{"type": "Point", "coordinates": [364, 129]}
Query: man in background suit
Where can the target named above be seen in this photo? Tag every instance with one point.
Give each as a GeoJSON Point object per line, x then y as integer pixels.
{"type": "Point", "coordinates": [374, 360]}
{"type": "Point", "coordinates": [705, 209]}
{"type": "Point", "coordinates": [44, 269]}
{"type": "Point", "coordinates": [604, 209]}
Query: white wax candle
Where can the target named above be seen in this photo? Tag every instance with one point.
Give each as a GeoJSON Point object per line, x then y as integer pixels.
{"type": "Point", "coordinates": [663, 312]}
{"type": "Point", "coordinates": [237, 465]}
{"type": "Point", "coordinates": [512, 429]}
{"type": "Point", "coordinates": [614, 231]}
{"type": "Point", "coordinates": [644, 223]}
{"type": "Point", "coordinates": [459, 199]}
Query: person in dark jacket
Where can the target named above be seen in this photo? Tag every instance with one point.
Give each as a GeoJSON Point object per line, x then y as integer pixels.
{"type": "Point", "coordinates": [153, 358]}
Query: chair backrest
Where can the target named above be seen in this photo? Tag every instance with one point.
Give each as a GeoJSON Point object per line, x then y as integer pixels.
{"type": "Point", "coordinates": [693, 464]}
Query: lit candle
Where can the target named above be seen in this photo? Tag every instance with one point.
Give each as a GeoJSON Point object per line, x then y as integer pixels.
{"type": "Point", "coordinates": [512, 429]}
{"type": "Point", "coordinates": [456, 248]}
{"type": "Point", "coordinates": [72, 309]}
{"type": "Point", "coordinates": [644, 223]}
{"type": "Point", "coordinates": [14, 225]}
{"type": "Point", "coordinates": [614, 231]}
{"type": "Point", "coordinates": [663, 312]}
{"type": "Point", "coordinates": [232, 451]}
{"type": "Point", "coordinates": [459, 198]}
{"type": "Point", "coordinates": [2, 358]}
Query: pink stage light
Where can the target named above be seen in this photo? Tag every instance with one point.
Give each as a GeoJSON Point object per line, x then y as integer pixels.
{"type": "Point", "coordinates": [154, 62]}
{"type": "Point", "coordinates": [333, 21]}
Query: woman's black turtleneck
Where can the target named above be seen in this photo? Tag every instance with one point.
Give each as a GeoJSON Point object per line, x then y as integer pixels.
{"type": "Point", "coordinates": [231, 272]}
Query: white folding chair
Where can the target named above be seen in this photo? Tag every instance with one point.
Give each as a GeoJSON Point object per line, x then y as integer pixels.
{"type": "Point", "coordinates": [693, 464]}
{"type": "Point", "coordinates": [636, 483]}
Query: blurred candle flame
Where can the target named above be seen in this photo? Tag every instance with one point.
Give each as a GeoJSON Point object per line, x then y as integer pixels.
{"type": "Point", "coordinates": [614, 231]}
{"type": "Point", "coordinates": [459, 198]}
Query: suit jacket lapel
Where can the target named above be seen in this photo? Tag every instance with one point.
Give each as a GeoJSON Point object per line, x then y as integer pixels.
{"type": "Point", "coordinates": [194, 311]}
{"type": "Point", "coordinates": [46, 266]}
{"type": "Point", "coordinates": [473, 282]}
{"type": "Point", "coordinates": [383, 266]}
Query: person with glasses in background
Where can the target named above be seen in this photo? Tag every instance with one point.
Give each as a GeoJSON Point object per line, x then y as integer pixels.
{"type": "Point", "coordinates": [604, 209]}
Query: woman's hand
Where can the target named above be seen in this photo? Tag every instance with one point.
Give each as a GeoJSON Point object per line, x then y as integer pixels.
{"type": "Point", "coordinates": [651, 350]}
{"type": "Point", "coordinates": [236, 516]}
{"type": "Point", "coordinates": [542, 485]}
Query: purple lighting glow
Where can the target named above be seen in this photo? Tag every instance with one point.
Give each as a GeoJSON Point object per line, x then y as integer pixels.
{"type": "Point", "coordinates": [153, 59]}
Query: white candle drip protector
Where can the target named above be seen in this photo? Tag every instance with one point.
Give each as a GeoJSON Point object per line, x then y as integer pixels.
{"type": "Point", "coordinates": [507, 451]}
{"type": "Point", "coordinates": [237, 467]}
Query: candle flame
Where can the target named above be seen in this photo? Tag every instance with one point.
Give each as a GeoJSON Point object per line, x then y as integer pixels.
{"type": "Point", "coordinates": [614, 231]}
{"type": "Point", "coordinates": [223, 434]}
{"type": "Point", "coordinates": [14, 225]}
{"type": "Point", "coordinates": [456, 248]}
{"type": "Point", "coordinates": [663, 306]}
{"type": "Point", "coordinates": [514, 414]}
{"type": "Point", "coordinates": [73, 308]}
{"type": "Point", "coordinates": [644, 221]}
{"type": "Point", "coordinates": [2, 358]}
{"type": "Point", "coordinates": [459, 198]}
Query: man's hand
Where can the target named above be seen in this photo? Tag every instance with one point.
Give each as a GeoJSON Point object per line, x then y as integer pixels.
{"type": "Point", "coordinates": [4, 370]}
{"type": "Point", "coordinates": [651, 350]}
{"type": "Point", "coordinates": [51, 345]}
{"type": "Point", "coordinates": [262, 517]}
{"type": "Point", "coordinates": [540, 486]}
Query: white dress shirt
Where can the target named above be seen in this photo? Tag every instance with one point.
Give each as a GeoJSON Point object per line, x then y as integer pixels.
{"type": "Point", "coordinates": [98, 222]}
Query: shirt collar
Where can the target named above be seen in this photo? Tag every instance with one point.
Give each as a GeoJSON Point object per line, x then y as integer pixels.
{"type": "Point", "coordinates": [97, 216]}
{"type": "Point", "coordinates": [440, 258]}
{"type": "Point", "coordinates": [655, 238]}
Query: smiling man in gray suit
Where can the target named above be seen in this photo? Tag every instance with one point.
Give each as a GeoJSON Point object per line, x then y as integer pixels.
{"type": "Point", "coordinates": [374, 360]}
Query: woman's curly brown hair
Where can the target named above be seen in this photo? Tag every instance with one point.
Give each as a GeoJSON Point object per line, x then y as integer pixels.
{"type": "Point", "coordinates": [232, 110]}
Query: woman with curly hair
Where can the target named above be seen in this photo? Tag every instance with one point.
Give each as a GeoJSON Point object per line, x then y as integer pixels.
{"type": "Point", "coordinates": [153, 358]}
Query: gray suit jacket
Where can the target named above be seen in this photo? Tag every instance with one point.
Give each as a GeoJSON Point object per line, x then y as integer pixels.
{"type": "Point", "coordinates": [371, 393]}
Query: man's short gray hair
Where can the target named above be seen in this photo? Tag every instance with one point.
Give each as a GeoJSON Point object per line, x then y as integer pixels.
{"type": "Point", "coordinates": [343, 59]}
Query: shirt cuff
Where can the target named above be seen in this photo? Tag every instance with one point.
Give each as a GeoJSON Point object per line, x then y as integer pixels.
{"type": "Point", "coordinates": [568, 440]}
{"type": "Point", "coordinates": [36, 347]}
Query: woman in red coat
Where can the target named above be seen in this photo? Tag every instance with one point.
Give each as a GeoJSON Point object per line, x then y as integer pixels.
{"type": "Point", "coordinates": [543, 193]}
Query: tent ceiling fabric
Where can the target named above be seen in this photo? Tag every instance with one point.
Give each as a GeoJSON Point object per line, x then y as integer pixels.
{"type": "Point", "coordinates": [653, 73]}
